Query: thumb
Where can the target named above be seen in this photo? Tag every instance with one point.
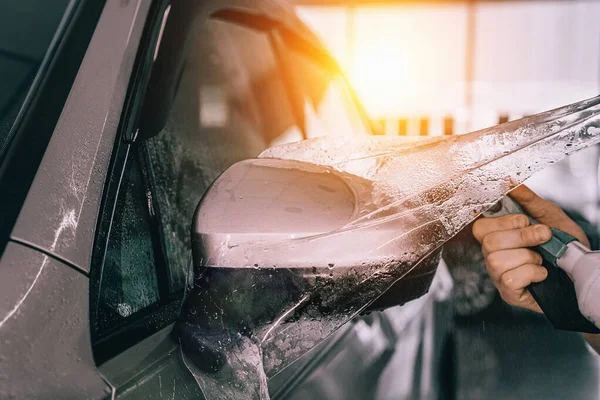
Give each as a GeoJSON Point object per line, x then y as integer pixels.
{"type": "Point", "coordinates": [534, 205]}
{"type": "Point", "coordinates": [547, 213]}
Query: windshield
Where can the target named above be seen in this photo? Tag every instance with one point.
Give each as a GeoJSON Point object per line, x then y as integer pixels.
{"type": "Point", "coordinates": [328, 106]}
{"type": "Point", "coordinates": [25, 37]}
{"type": "Point", "coordinates": [312, 87]}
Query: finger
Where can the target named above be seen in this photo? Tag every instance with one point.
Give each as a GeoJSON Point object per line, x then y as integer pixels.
{"type": "Point", "coordinates": [513, 285]}
{"type": "Point", "coordinates": [517, 279]}
{"type": "Point", "coordinates": [547, 212]}
{"type": "Point", "coordinates": [499, 262]}
{"type": "Point", "coordinates": [525, 237]}
{"type": "Point", "coordinates": [533, 204]}
{"type": "Point", "coordinates": [485, 226]}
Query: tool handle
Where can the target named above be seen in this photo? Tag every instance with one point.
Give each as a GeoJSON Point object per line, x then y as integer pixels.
{"type": "Point", "coordinates": [556, 294]}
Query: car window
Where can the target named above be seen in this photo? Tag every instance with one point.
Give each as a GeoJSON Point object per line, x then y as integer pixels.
{"type": "Point", "coordinates": [328, 105]}
{"type": "Point", "coordinates": [218, 93]}
{"type": "Point", "coordinates": [25, 36]}
{"type": "Point", "coordinates": [128, 283]}
{"type": "Point", "coordinates": [216, 120]}
{"type": "Point", "coordinates": [233, 101]}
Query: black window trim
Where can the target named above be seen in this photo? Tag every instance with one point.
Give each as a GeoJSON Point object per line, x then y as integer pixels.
{"type": "Point", "coordinates": [107, 343]}
{"type": "Point", "coordinates": [110, 341]}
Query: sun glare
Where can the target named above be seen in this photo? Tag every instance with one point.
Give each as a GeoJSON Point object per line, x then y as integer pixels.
{"type": "Point", "coordinates": [403, 60]}
{"type": "Point", "coordinates": [384, 76]}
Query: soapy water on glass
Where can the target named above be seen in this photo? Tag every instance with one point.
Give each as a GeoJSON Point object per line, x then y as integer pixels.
{"type": "Point", "coordinates": [261, 318]}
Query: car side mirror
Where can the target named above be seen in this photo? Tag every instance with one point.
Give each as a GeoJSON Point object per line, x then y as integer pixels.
{"type": "Point", "coordinates": [274, 213]}
{"type": "Point", "coordinates": [269, 202]}
{"type": "Point", "coordinates": [278, 241]}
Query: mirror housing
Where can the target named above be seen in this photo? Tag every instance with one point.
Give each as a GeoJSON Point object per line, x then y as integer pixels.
{"type": "Point", "coordinates": [265, 200]}
{"type": "Point", "coordinates": [283, 204]}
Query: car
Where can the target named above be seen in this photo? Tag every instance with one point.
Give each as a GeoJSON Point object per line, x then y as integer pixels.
{"type": "Point", "coordinates": [111, 133]}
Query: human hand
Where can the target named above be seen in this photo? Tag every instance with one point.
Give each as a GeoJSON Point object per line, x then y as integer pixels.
{"type": "Point", "coordinates": [506, 243]}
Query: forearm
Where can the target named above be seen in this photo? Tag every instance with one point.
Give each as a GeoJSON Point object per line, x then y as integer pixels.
{"type": "Point", "coordinates": [593, 340]}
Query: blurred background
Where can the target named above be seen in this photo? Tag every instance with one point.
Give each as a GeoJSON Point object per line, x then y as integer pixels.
{"type": "Point", "coordinates": [461, 60]}
{"type": "Point", "coordinates": [451, 67]}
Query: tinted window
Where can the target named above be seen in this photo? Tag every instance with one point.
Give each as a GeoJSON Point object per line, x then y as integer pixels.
{"type": "Point", "coordinates": [128, 283]}
{"type": "Point", "coordinates": [26, 30]}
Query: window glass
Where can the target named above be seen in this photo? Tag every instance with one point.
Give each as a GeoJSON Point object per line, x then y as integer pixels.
{"type": "Point", "coordinates": [128, 282]}
{"type": "Point", "coordinates": [329, 107]}
{"type": "Point", "coordinates": [214, 122]}
{"type": "Point", "coordinates": [217, 95]}
{"type": "Point", "coordinates": [232, 99]}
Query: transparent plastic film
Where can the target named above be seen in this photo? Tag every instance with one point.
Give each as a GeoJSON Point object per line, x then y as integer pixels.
{"type": "Point", "coordinates": [293, 244]}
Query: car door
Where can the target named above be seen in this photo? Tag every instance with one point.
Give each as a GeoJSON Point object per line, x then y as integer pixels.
{"type": "Point", "coordinates": [209, 93]}
{"type": "Point", "coordinates": [52, 149]}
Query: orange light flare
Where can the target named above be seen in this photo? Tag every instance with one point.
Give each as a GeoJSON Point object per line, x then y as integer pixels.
{"type": "Point", "coordinates": [404, 61]}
